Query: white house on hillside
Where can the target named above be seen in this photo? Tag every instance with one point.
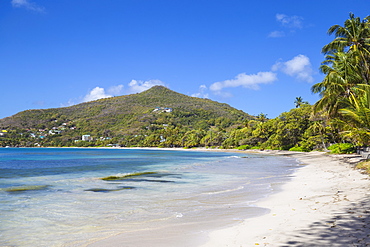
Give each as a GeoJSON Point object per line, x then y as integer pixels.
{"type": "Point", "coordinates": [162, 109]}
{"type": "Point", "coordinates": [86, 138]}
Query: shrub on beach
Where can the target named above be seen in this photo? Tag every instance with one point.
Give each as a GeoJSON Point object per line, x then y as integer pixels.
{"type": "Point", "coordinates": [256, 147]}
{"type": "Point", "coordinates": [243, 147]}
{"type": "Point", "coordinates": [342, 148]}
{"type": "Point", "coordinates": [299, 149]}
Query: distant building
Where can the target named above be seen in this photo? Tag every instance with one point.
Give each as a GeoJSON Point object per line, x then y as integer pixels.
{"type": "Point", "coordinates": [86, 138]}
{"type": "Point", "coordinates": [162, 109]}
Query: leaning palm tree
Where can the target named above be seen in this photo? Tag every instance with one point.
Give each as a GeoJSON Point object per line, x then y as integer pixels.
{"type": "Point", "coordinates": [357, 116]}
{"type": "Point", "coordinates": [353, 38]}
{"type": "Point", "coordinates": [342, 76]}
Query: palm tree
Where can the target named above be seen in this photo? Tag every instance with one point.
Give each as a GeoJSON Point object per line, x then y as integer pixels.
{"type": "Point", "coordinates": [352, 38]}
{"type": "Point", "coordinates": [345, 89]}
{"type": "Point", "coordinates": [342, 76]}
{"type": "Point", "coordinates": [298, 102]}
{"type": "Point", "coordinates": [262, 117]}
{"type": "Point", "coordinates": [354, 35]}
{"type": "Point", "coordinates": [357, 122]}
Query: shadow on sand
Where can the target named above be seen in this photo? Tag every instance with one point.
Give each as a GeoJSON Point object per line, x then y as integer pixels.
{"type": "Point", "coordinates": [344, 229]}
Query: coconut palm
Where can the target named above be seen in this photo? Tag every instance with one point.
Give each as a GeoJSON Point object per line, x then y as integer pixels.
{"type": "Point", "coordinates": [357, 116]}
{"type": "Point", "coordinates": [298, 102]}
{"type": "Point", "coordinates": [353, 38]}
{"type": "Point", "coordinates": [342, 76]}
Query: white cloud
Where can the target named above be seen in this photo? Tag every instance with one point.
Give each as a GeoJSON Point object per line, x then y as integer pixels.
{"type": "Point", "coordinates": [99, 93]}
{"type": "Point", "coordinates": [115, 90]}
{"type": "Point", "coordinates": [299, 67]}
{"type": "Point", "coordinates": [290, 21]}
{"type": "Point", "coordinates": [69, 103]}
{"type": "Point", "coordinates": [96, 93]}
{"type": "Point", "coordinates": [140, 86]}
{"type": "Point", "coordinates": [201, 92]}
{"type": "Point", "coordinates": [248, 81]}
{"type": "Point", "coordinates": [276, 34]}
{"type": "Point", "coordinates": [26, 4]}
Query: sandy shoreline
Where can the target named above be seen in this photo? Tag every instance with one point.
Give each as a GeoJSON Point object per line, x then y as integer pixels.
{"type": "Point", "coordinates": [326, 203]}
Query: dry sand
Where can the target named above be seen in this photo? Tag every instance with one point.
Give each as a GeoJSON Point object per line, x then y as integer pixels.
{"type": "Point", "coordinates": [327, 203]}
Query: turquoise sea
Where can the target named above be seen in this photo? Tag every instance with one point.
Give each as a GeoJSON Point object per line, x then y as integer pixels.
{"type": "Point", "coordinates": [56, 197]}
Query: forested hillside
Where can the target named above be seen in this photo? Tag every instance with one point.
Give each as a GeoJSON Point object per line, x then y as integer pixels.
{"type": "Point", "coordinates": [128, 120]}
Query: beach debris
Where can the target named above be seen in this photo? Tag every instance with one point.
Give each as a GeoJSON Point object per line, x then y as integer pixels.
{"type": "Point", "coordinates": [179, 215]}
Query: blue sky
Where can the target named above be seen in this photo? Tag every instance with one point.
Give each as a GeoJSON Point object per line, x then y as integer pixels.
{"type": "Point", "coordinates": [257, 56]}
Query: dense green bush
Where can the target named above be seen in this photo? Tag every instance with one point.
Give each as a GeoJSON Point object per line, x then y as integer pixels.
{"type": "Point", "coordinates": [342, 148]}
{"type": "Point", "coordinates": [243, 147]}
{"type": "Point", "coordinates": [299, 149]}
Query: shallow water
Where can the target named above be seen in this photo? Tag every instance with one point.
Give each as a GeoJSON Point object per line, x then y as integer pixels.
{"type": "Point", "coordinates": [56, 197]}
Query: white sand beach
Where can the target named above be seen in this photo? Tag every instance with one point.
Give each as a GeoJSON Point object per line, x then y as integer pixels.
{"type": "Point", "coordinates": [327, 203]}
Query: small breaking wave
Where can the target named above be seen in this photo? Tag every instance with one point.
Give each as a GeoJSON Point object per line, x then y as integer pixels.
{"type": "Point", "coordinates": [234, 157]}
{"type": "Point", "coordinates": [223, 191]}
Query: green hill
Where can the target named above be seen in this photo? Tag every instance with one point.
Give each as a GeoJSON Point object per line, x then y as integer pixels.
{"type": "Point", "coordinates": [143, 114]}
